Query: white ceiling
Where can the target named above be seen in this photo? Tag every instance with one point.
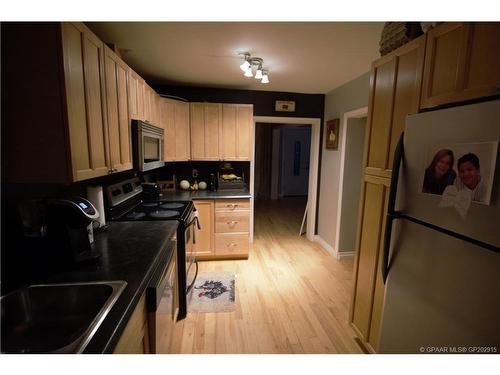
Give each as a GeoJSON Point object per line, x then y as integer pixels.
{"type": "Point", "coordinates": [305, 57]}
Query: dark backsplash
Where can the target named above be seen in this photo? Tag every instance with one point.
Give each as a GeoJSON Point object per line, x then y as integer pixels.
{"type": "Point", "coordinates": [184, 170]}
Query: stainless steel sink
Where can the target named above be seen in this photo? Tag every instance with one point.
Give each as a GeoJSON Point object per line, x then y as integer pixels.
{"type": "Point", "coordinates": [55, 318]}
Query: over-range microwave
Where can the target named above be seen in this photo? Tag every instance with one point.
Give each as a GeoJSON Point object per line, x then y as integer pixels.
{"type": "Point", "coordinates": [147, 146]}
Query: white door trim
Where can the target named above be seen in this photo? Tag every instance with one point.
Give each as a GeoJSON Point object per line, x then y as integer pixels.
{"type": "Point", "coordinates": [357, 113]}
{"type": "Point", "coordinates": [313, 166]}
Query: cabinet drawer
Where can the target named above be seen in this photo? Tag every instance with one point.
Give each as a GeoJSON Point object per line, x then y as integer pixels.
{"type": "Point", "coordinates": [232, 204]}
{"type": "Point", "coordinates": [231, 244]}
{"type": "Point", "coordinates": [235, 221]}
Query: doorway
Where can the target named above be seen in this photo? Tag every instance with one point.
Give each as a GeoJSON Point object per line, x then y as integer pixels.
{"type": "Point", "coordinates": [282, 155]}
{"type": "Point", "coordinates": [292, 176]}
{"type": "Point", "coordinates": [353, 133]}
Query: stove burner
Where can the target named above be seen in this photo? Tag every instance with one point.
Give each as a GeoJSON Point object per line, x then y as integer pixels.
{"type": "Point", "coordinates": [172, 205]}
{"type": "Point", "coordinates": [163, 213]}
{"type": "Point", "coordinates": [150, 204]}
{"type": "Point", "coordinates": [135, 215]}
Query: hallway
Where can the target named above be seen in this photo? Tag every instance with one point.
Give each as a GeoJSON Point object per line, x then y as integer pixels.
{"type": "Point", "coordinates": [291, 296]}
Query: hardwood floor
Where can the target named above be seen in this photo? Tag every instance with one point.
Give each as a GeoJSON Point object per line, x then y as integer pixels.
{"type": "Point", "coordinates": [291, 296]}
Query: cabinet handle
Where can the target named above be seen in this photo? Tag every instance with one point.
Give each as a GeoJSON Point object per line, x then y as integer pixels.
{"type": "Point", "coordinates": [232, 222]}
{"type": "Point", "coordinates": [232, 205]}
{"type": "Point", "coordinates": [232, 244]}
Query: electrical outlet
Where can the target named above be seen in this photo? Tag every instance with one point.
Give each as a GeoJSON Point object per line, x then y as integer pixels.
{"type": "Point", "coordinates": [195, 173]}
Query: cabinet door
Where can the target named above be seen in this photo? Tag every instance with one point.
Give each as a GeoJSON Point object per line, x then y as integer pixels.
{"type": "Point", "coordinates": [394, 93]}
{"type": "Point", "coordinates": [444, 63]}
{"type": "Point", "coordinates": [205, 119]}
{"type": "Point", "coordinates": [236, 131]}
{"type": "Point", "coordinates": [482, 68]}
{"type": "Point", "coordinates": [205, 237]}
{"type": "Point", "coordinates": [117, 112]}
{"type": "Point", "coordinates": [167, 122]}
{"type": "Point", "coordinates": [197, 124]}
{"type": "Point", "coordinates": [147, 103]}
{"type": "Point", "coordinates": [461, 63]}
{"type": "Point", "coordinates": [83, 55]}
{"type": "Point", "coordinates": [373, 209]}
{"type": "Point", "coordinates": [182, 136]}
{"type": "Point", "coordinates": [135, 96]}
{"type": "Point", "coordinates": [135, 339]}
{"type": "Point", "coordinates": [212, 131]}
{"type": "Point", "coordinates": [156, 109]}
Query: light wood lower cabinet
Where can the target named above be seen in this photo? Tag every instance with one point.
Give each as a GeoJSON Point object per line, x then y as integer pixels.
{"type": "Point", "coordinates": [204, 245]}
{"type": "Point", "coordinates": [225, 226]}
{"type": "Point", "coordinates": [368, 293]}
{"type": "Point", "coordinates": [230, 222]}
{"type": "Point", "coordinates": [134, 339]}
{"type": "Point", "coordinates": [231, 244]}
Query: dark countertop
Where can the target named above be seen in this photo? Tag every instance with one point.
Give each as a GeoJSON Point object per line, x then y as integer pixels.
{"type": "Point", "coordinates": [205, 194]}
{"type": "Point", "coordinates": [131, 251]}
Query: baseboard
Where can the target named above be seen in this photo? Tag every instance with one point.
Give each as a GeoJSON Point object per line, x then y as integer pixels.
{"type": "Point", "coordinates": [342, 254]}
{"type": "Point", "coordinates": [329, 249]}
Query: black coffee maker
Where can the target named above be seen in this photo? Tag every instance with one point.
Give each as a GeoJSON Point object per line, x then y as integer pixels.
{"type": "Point", "coordinates": [69, 228]}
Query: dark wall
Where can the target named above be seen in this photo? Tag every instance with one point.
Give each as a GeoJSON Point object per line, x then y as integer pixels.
{"type": "Point", "coordinates": [306, 105]}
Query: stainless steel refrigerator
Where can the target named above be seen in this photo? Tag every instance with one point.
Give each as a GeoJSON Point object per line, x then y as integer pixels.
{"type": "Point", "coordinates": [442, 258]}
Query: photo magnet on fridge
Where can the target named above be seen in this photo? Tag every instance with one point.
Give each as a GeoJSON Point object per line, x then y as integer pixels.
{"type": "Point", "coordinates": [461, 173]}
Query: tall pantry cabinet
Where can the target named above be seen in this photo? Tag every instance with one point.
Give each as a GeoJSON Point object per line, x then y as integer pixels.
{"type": "Point", "coordinates": [394, 92]}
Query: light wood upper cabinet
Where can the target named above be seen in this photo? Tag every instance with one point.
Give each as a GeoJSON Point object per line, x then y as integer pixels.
{"type": "Point", "coordinates": [174, 119]}
{"type": "Point", "coordinates": [205, 122]}
{"type": "Point", "coordinates": [151, 106]}
{"type": "Point", "coordinates": [205, 237]}
{"type": "Point", "coordinates": [135, 95]}
{"type": "Point", "coordinates": [156, 108]}
{"type": "Point", "coordinates": [119, 129]}
{"type": "Point", "coordinates": [394, 93]}
{"type": "Point", "coordinates": [83, 56]}
{"type": "Point", "coordinates": [147, 103]}
{"type": "Point", "coordinates": [237, 126]}
{"type": "Point", "coordinates": [461, 63]}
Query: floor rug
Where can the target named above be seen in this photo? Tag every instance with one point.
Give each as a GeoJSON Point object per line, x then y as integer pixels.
{"type": "Point", "coordinates": [212, 292]}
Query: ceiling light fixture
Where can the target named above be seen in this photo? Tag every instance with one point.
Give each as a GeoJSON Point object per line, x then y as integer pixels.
{"type": "Point", "coordinates": [255, 63]}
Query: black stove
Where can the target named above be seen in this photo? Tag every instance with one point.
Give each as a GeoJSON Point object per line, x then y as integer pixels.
{"type": "Point", "coordinates": [126, 202]}
{"type": "Point", "coordinates": [141, 210]}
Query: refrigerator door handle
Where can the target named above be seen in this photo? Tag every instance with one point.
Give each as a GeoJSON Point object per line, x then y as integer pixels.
{"type": "Point", "coordinates": [391, 212]}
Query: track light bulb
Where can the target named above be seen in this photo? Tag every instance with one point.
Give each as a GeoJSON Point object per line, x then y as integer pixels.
{"type": "Point", "coordinates": [248, 73]}
{"type": "Point", "coordinates": [244, 67]}
{"type": "Point", "coordinates": [265, 77]}
{"type": "Point", "coordinates": [258, 74]}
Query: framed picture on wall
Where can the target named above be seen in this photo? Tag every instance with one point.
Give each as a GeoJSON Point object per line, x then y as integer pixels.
{"type": "Point", "coordinates": [332, 134]}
